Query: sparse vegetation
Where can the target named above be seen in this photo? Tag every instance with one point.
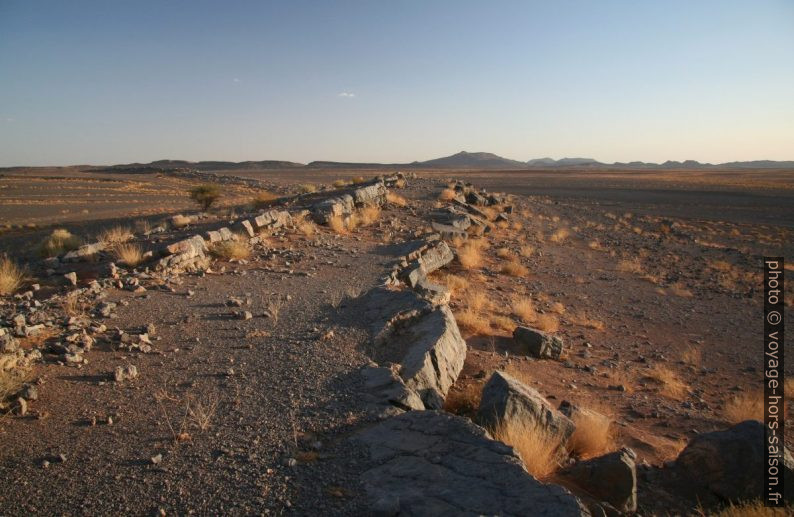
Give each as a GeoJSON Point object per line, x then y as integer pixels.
{"type": "Point", "coordinates": [337, 224]}
{"type": "Point", "coordinates": [307, 188]}
{"type": "Point", "coordinates": [539, 450]}
{"type": "Point", "coordinates": [205, 195]}
{"type": "Point", "coordinates": [524, 309]}
{"type": "Point", "coordinates": [547, 323]}
{"type": "Point", "coordinates": [58, 242]}
{"type": "Point", "coordinates": [263, 199]}
{"type": "Point", "coordinates": [128, 254]}
{"type": "Point", "coordinates": [231, 250]}
{"type": "Point", "coordinates": [180, 221]}
{"type": "Point", "coordinates": [514, 268]}
{"type": "Point", "coordinates": [670, 384]}
{"type": "Point", "coordinates": [396, 199]}
{"type": "Point", "coordinates": [115, 235]}
{"type": "Point", "coordinates": [473, 322]}
{"type": "Point", "coordinates": [470, 254]}
{"type": "Point", "coordinates": [447, 195]}
{"type": "Point", "coordinates": [340, 183]}
{"type": "Point", "coordinates": [746, 406]}
{"type": "Point", "coordinates": [11, 276]}
{"type": "Point", "coordinates": [692, 356]}
{"type": "Point", "coordinates": [593, 434]}
{"type": "Point", "coordinates": [747, 509]}
{"type": "Point", "coordinates": [369, 214]}
{"type": "Point", "coordinates": [560, 235]}
{"type": "Point", "coordinates": [305, 226]}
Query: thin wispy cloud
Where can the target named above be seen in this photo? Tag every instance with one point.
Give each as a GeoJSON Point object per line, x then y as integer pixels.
{"type": "Point", "coordinates": [348, 95]}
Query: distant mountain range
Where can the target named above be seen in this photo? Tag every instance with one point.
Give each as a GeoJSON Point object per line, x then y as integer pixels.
{"type": "Point", "coordinates": [461, 160]}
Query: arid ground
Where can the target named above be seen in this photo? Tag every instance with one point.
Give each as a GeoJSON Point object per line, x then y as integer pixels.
{"type": "Point", "coordinates": [653, 280]}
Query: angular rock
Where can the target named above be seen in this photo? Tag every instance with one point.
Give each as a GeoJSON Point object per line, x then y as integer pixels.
{"type": "Point", "coordinates": [538, 343]}
{"type": "Point", "coordinates": [385, 387]}
{"type": "Point", "coordinates": [273, 218]}
{"type": "Point", "coordinates": [431, 463]}
{"type": "Point", "coordinates": [434, 293]}
{"type": "Point", "coordinates": [246, 228]}
{"type": "Point", "coordinates": [729, 465]}
{"type": "Point", "coordinates": [83, 252]}
{"type": "Point", "coordinates": [71, 278]}
{"type": "Point", "coordinates": [434, 361]}
{"type": "Point", "coordinates": [611, 478]}
{"type": "Point", "coordinates": [508, 401]}
{"type": "Point", "coordinates": [370, 195]}
{"type": "Point", "coordinates": [192, 246]}
{"type": "Point", "coordinates": [434, 257]}
{"type": "Point", "coordinates": [123, 373]}
{"type": "Point", "coordinates": [448, 232]}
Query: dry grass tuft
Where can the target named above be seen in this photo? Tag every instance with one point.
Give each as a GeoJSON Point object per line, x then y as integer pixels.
{"type": "Point", "coordinates": [337, 225]}
{"type": "Point", "coordinates": [115, 235]}
{"type": "Point", "coordinates": [671, 385]}
{"type": "Point", "coordinates": [128, 254]}
{"type": "Point", "coordinates": [558, 308]}
{"type": "Point", "coordinates": [747, 509]}
{"type": "Point", "coordinates": [231, 250]}
{"type": "Point", "coordinates": [527, 251]}
{"type": "Point", "coordinates": [473, 322]}
{"type": "Point", "coordinates": [505, 253]}
{"type": "Point", "coordinates": [524, 309]}
{"type": "Point", "coordinates": [470, 255]}
{"type": "Point", "coordinates": [464, 401]}
{"type": "Point", "coordinates": [11, 276]}
{"type": "Point", "coordinates": [560, 235]}
{"type": "Point", "coordinates": [263, 199]}
{"type": "Point", "coordinates": [547, 323]}
{"type": "Point", "coordinates": [396, 199]}
{"type": "Point", "coordinates": [503, 323]}
{"type": "Point", "coordinates": [447, 194]}
{"type": "Point", "coordinates": [679, 290]}
{"type": "Point", "coordinates": [58, 242]}
{"type": "Point", "coordinates": [593, 434]}
{"type": "Point", "coordinates": [539, 450]}
{"type": "Point", "coordinates": [583, 320]}
{"type": "Point", "coordinates": [692, 356]}
{"type": "Point", "coordinates": [632, 265]}
{"type": "Point", "coordinates": [306, 227]}
{"type": "Point", "coordinates": [180, 221]}
{"type": "Point", "coordinates": [340, 183]}
{"type": "Point", "coordinates": [369, 214]}
{"type": "Point", "coordinates": [456, 283]}
{"type": "Point", "coordinates": [514, 268]}
{"type": "Point", "coordinates": [747, 406]}
{"type": "Point", "coordinates": [307, 188]}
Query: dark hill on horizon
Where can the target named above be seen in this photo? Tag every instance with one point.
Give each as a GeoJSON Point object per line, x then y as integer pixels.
{"type": "Point", "coordinates": [461, 160]}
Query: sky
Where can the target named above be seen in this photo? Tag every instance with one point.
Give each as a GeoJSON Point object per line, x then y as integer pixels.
{"type": "Point", "coordinates": [103, 82]}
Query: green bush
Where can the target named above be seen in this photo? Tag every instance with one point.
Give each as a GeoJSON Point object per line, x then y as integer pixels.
{"type": "Point", "coordinates": [205, 195]}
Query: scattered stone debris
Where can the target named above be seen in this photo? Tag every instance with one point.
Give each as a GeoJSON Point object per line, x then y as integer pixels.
{"type": "Point", "coordinates": [123, 373]}
{"type": "Point", "coordinates": [538, 343]}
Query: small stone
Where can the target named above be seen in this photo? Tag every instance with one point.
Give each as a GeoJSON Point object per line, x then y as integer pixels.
{"type": "Point", "coordinates": [157, 459]}
{"type": "Point", "coordinates": [21, 407]}
{"type": "Point", "coordinates": [71, 278]}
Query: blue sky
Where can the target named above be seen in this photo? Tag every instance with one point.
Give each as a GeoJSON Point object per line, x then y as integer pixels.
{"type": "Point", "coordinates": [391, 81]}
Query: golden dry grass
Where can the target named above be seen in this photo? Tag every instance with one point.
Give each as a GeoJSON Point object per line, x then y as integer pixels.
{"type": "Point", "coordinates": [263, 199]}
{"type": "Point", "coordinates": [514, 268]}
{"type": "Point", "coordinates": [447, 194]}
{"type": "Point", "coordinates": [527, 251]}
{"type": "Point", "coordinates": [58, 242]}
{"type": "Point", "coordinates": [11, 276]}
{"type": "Point", "coordinates": [632, 265]}
{"type": "Point", "coordinates": [583, 320]}
{"type": "Point", "coordinates": [593, 434]}
{"type": "Point", "coordinates": [337, 225]}
{"type": "Point", "coordinates": [747, 509]}
{"type": "Point", "coordinates": [180, 221]}
{"type": "Point", "coordinates": [505, 253]}
{"type": "Point", "coordinates": [306, 227]}
{"type": "Point", "coordinates": [231, 250]}
{"type": "Point", "coordinates": [502, 323]}
{"type": "Point", "coordinates": [369, 214]}
{"type": "Point", "coordinates": [560, 235]}
{"type": "Point", "coordinates": [456, 283]}
{"type": "Point", "coordinates": [678, 289]}
{"type": "Point", "coordinates": [128, 254]}
{"type": "Point", "coordinates": [396, 199]}
{"type": "Point", "coordinates": [115, 235]}
{"type": "Point", "coordinates": [478, 301]}
{"type": "Point", "coordinates": [307, 188]}
{"type": "Point", "coordinates": [524, 309]}
{"type": "Point", "coordinates": [547, 323]}
{"type": "Point", "coordinates": [358, 179]}
{"type": "Point", "coordinates": [464, 401]}
{"type": "Point", "coordinates": [473, 322]}
{"type": "Point", "coordinates": [340, 183]}
{"type": "Point", "coordinates": [539, 450]}
{"type": "Point", "coordinates": [470, 255]}
{"type": "Point", "coordinates": [692, 356]}
{"type": "Point", "coordinates": [557, 308]}
{"type": "Point", "coordinates": [746, 406]}
{"type": "Point", "coordinates": [670, 384]}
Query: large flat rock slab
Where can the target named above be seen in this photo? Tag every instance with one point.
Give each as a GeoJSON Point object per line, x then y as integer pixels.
{"type": "Point", "coordinates": [434, 463]}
